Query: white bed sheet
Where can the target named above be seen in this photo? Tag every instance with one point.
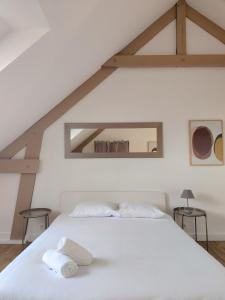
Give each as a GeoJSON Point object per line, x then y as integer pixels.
{"type": "Point", "coordinates": [135, 259]}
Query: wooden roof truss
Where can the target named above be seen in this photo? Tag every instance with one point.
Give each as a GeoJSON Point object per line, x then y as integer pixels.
{"type": "Point", "coordinates": [31, 139]}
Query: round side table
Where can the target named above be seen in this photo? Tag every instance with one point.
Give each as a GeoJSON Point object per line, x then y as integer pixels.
{"type": "Point", "coordinates": [34, 213]}
{"type": "Point", "coordinates": [191, 212]}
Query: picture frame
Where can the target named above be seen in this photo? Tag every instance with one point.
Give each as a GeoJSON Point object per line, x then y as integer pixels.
{"type": "Point", "coordinates": [206, 142]}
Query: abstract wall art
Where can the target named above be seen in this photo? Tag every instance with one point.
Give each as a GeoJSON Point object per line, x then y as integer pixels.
{"type": "Point", "coordinates": [206, 142]}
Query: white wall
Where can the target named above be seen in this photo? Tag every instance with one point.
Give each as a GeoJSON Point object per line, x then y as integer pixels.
{"type": "Point", "coordinates": [172, 96]}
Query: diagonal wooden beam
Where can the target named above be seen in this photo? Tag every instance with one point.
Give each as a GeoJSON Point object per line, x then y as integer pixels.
{"type": "Point", "coordinates": [18, 144]}
{"type": "Point", "coordinates": [206, 24]}
{"type": "Point", "coordinates": [33, 149]}
{"type": "Point", "coordinates": [19, 166]}
{"type": "Point", "coordinates": [181, 27]}
{"type": "Point", "coordinates": [90, 138]}
{"type": "Point", "coordinates": [13, 148]}
{"type": "Point", "coordinates": [157, 61]}
{"type": "Point", "coordinates": [149, 33]}
{"type": "Point", "coordinates": [26, 187]}
{"type": "Point", "coordinates": [57, 112]}
{"type": "Point", "coordinates": [87, 86]}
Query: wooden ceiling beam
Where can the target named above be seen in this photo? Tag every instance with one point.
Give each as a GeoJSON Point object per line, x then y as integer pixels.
{"type": "Point", "coordinates": [205, 23]}
{"type": "Point", "coordinates": [26, 187]}
{"type": "Point", "coordinates": [19, 143]}
{"type": "Point", "coordinates": [181, 27]}
{"type": "Point", "coordinates": [56, 112]}
{"type": "Point", "coordinates": [25, 166]}
{"type": "Point", "coordinates": [158, 61]}
{"type": "Point", "coordinates": [33, 145]}
{"type": "Point", "coordinates": [32, 138]}
{"type": "Point", "coordinates": [85, 88]}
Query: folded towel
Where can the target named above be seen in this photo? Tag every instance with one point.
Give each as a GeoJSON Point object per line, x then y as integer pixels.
{"type": "Point", "coordinates": [79, 254]}
{"type": "Point", "coordinates": [59, 263]}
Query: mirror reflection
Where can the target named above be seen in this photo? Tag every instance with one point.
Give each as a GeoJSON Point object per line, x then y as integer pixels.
{"type": "Point", "coordinates": [113, 140]}
{"type": "Point", "coordinates": [108, 140]}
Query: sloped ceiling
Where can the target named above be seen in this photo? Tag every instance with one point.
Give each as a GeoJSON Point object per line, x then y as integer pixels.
{"type": "Point", "coordinates": [83, 34]}
{"type": "Point", "coordinates": [22, 23]}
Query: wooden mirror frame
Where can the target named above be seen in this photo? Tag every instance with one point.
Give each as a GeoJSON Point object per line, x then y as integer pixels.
{"type": "Point", "coordinates": [157, 125]}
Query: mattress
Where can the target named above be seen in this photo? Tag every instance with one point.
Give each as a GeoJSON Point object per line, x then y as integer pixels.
{"type": "Point", "coordinates": [134, 259]}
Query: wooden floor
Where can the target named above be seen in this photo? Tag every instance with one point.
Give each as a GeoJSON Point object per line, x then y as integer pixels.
{"type": "Point", "coordinates": [216, 249]}
{"type": "Point", "coordinates": [9, 252]}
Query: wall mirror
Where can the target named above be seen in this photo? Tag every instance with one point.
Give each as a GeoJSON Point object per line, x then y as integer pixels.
{"type": "Point", "coordinates": [113, 140]}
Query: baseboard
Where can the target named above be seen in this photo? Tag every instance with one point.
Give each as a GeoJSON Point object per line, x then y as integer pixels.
{"type": "Point", "coordinates": [10, 242]}
{"type": "Point", "coordinates": [5, 239]}
{"type": "Point", "coordinates": [212, 237]}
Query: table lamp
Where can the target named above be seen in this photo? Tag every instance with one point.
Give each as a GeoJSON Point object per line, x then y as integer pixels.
{"type": "Point", "coordinates": [187, 194]}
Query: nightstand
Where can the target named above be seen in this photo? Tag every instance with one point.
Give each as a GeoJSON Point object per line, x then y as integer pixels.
{"type": "Point", "coordinates": [34, 213]}
{"type": "Point", "coordinates": [191, 212]}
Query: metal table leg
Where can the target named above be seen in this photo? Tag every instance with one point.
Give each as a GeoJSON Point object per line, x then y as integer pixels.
{"type": "Point", "coordinates": [46, 221]}
{"type": "Point", "coordinates": [174, 216]}
{"type": "Point", "coordinates": [25, 230]}
{"type": "Point", "coordinates": [182, 221]}
{"type": "Point", "coordinates": [206, 231]}
{"type": "Point", "coordinates": [196, 237]}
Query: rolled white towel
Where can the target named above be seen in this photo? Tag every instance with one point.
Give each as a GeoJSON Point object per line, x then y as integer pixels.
{"type": "Point", "coordinates": [59, 263]}
{"type": "Point", "coordinates": [79, 254]}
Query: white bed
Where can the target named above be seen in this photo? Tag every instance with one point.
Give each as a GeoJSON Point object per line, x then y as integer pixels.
{"type": "Point", "coordinates": [135, 259]}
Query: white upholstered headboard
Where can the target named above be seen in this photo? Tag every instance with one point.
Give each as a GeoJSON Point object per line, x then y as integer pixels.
{"type": "Point", "coordinates": [68, 199]}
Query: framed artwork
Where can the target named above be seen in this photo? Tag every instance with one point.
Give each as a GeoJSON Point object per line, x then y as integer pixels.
{"type": "Point", "coordinates": [206, 142]}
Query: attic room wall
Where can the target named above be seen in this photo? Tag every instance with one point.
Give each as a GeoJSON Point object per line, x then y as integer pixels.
{"type": "Point", "coordinates": [172, 96]}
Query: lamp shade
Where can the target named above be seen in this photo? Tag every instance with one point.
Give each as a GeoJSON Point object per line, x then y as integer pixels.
{"type": "Point", "coordinates": [187, 194]}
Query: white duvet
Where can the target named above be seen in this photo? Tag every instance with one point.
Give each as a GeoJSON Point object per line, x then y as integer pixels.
{"type": "Point", "coordinates": [134, 259]}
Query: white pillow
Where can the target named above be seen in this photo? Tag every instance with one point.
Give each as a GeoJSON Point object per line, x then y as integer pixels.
{"type": "Point", "coordinates": [95, 209]}
{"type": "Point", "coordinates": [139, 210]}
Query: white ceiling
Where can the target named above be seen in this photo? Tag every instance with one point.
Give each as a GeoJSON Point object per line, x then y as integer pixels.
{"type": "Point", "coordinates": [22, 23]}
{"type": "Point", "coordinates": [79, 36]}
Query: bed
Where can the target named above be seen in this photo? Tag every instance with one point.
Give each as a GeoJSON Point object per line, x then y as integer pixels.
{"type": "Point", "coordinates": [134, 259]}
